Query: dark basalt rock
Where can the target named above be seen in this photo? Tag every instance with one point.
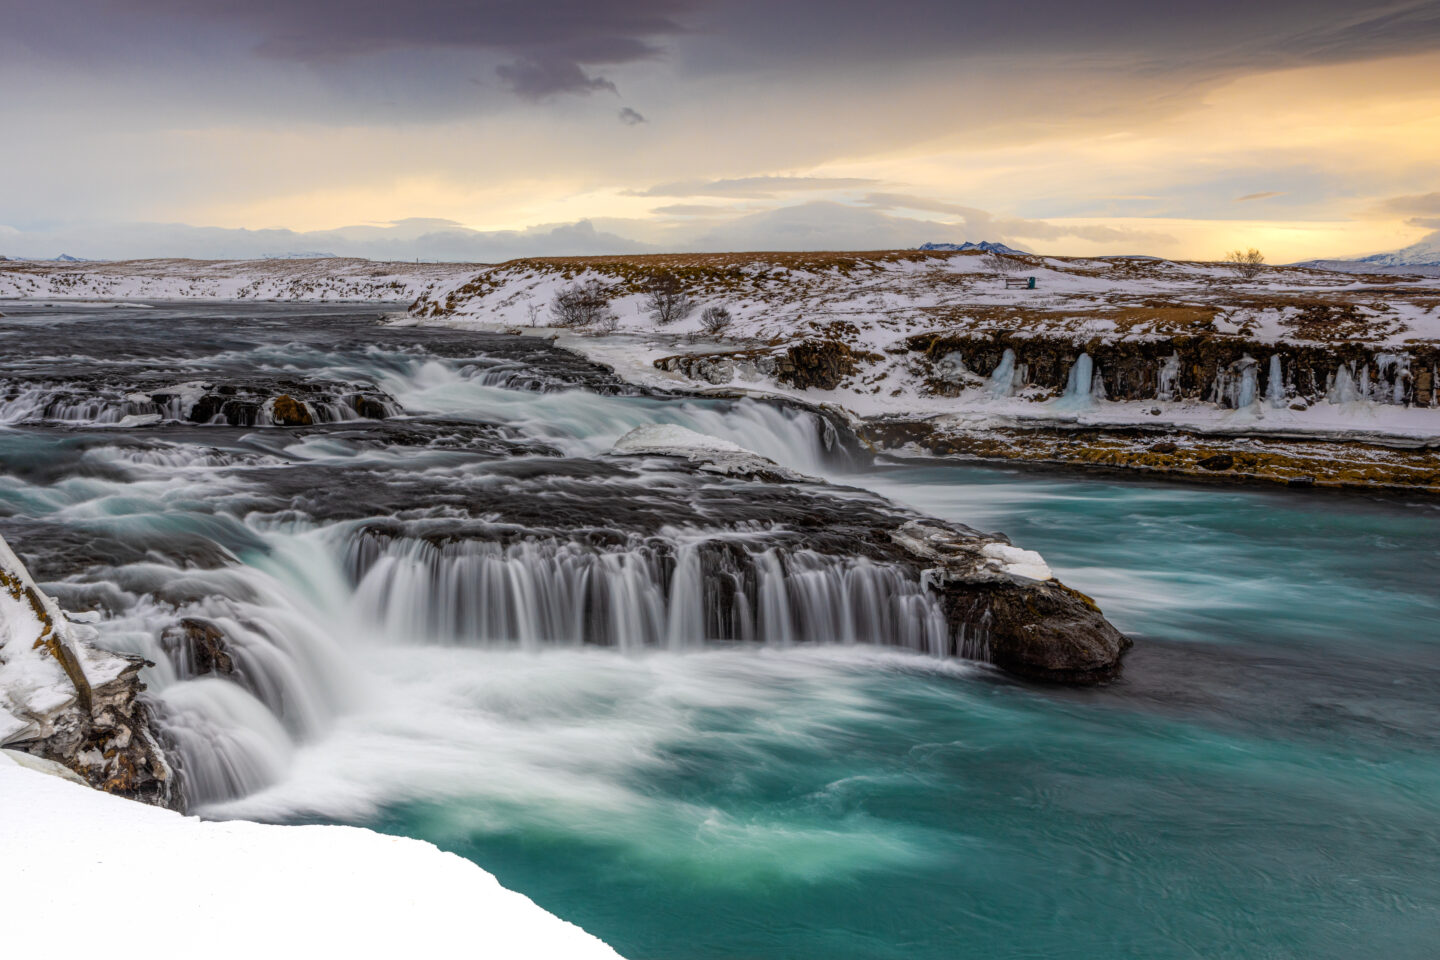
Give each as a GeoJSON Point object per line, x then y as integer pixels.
{"type": "Point", "coordinates": [1221, 461]}
{"type": "Point", "coordinates": [289, 412]}
{"type": "Point", "coordinates": [822, 364]}
{"type": "Point", "coordinates": [292, 403]}
{"type": "Point", "coordinates": [1037, 629]}
{"type": "Point", "coordinates": [368, 407]}
{"type": "Point", "coordinates": [1131, 368]}
{"type": "Point", "coordinates": [198, 647]}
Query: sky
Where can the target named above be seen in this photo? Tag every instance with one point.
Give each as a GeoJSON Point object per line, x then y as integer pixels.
{"type": "Point", "coordinates": [483, 130]}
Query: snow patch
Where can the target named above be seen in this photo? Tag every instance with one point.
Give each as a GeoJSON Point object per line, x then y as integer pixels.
{"type": "Point", "coordinates": [1017, 562]}
{"type": "Point", "coordinates": [712, 454]}
{"type": "Point", "coordinates": [294, 890]}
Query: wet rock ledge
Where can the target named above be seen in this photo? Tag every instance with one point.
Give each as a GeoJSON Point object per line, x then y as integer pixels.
{"type": "Point", "coordinates": [65, 700]}
{"type": "Point", "coordinates": [1002, 604]}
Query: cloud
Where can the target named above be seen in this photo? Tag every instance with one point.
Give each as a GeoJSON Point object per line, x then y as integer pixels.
{"type": "Point", "coordinates": [980, 224]}
{"type": "Point", "coordinates": [750, 188]}
{"type": "Point", "coordinates": [692, 210]}
{"type": "Point", "coordinates": [546, 47]}
{"type": "Point", "coordinates": [405, 240]}
{"type": "Point", "coordinates": [1420, 204]}
{"type": "Point", "coordinates": [537, 79]}
{"type": "Point", "coordinates": [631, 117]}
{"type": "Point", "coordinates": [1264, 195]}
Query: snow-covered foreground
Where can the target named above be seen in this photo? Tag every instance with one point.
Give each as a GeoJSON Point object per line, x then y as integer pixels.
{"type": "Point", "coordinates": [81, 867]}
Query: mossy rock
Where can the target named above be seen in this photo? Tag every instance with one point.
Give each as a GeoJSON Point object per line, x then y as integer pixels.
{"type": "Point", "coordinates": [289, 412]}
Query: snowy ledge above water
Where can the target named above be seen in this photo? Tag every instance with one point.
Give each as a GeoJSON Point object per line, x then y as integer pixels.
{"type": "Point", "coordinates": [710, 454]}
{"type": "Point", "coordinates": [247, 889]}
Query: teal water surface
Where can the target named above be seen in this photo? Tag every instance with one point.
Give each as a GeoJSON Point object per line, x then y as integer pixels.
{"type": "Point", "coordinates": [1263, 783]}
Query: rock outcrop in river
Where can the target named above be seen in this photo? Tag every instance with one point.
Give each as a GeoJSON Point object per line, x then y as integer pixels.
{"type": "Point", "coordinates": [70, 702]}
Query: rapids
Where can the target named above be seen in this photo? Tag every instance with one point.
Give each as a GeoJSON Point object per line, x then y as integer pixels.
{"type": "Point", "coordinates": [406, 600]}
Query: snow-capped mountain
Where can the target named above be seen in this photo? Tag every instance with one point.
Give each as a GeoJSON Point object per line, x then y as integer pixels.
{"type": "Point", "coordinates": [984, 245]}
{"type": "Point", "coordinates": [1422, 257]}
{"type": "Point", "coordinates": [1426, 253]}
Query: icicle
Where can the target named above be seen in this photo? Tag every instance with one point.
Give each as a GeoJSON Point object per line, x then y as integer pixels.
{"type": "Point", "coordinates": [1001, 382]}
{"type": "Point", "coordinates": [1275, 387]}
{"type": "Point", "coordinates": [1168, 378]}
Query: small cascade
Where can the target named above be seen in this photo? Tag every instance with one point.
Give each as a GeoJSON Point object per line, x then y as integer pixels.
{"type": "Point", "coordinates": [1237, 386]}
{"type": "Point", "coordinates": [1275, 383]}
{"type": "Point", "coordinates": [61, 402]}
{"type": "Point", "coordinates": [1344, 386]}
{"type": "Point", "coordinates": [1003, 379]}
{"type": "Point", "coordinates": [644, 594]}
{"type": "Point", "coordinates": [1168, 379]}
{"type": "Point", "coordinates": [1084, 385]}
{"type": "Point", "coordinates": [1393, 382]}
{"type": "Point", "coordinates": [79, 403]}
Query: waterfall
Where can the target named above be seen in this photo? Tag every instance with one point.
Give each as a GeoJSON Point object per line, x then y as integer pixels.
{"type": "Point", "coordinates": [1084, 385]}
{"type": "Point", "coordinates": [1393, 369]}
{"type": "Point", "coordinates": [644, 594]}
{"type": "Point", "coordinates": [235, 732]}
{"type": "Point", "coordinates": [1243, 390]}
{"type": "Point", "coordinates": [1168, 379]}
{"type": "Point", "coordinates": [1275, 383]}
{"type": "Point", "coordinates": [1343, 387]}
{"type": "Point", "coordinates": [1001, 382]}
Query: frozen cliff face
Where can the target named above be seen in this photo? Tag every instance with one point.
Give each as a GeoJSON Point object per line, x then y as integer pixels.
{"type": "Point", "coordinates": [64, 700]}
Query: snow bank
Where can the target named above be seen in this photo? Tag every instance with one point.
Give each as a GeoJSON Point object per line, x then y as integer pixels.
{"type": "Point", "coordinates": [664, 438]}
{"type": "Point", "coordinates": [1018, 562]}
{"type": "Point", "coordinates": [239, 889]}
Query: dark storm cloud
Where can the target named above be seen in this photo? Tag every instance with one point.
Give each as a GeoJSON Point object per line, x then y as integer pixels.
{"type": "Point", "coordinates": [554, 46]}
{"type": "Point", "coordinates": [537, 79]}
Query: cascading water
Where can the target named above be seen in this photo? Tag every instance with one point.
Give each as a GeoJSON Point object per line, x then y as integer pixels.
{"type": "Point", "coordinates": [1002, 380]}
{"type": "Point", "coordinates": [826, 800]}
{"type": "Point", "coordinates": [1084, 385]}
{"type": "Point", "coordinates": [1393, 377]}
{"type": "Point", "coordinates": [255, 647]}
{"type": "Point", "coordinates": [1168, 378]}
{"type": "Point", "coordinates": [1237, 385]}
{"type": "Point", "coordinates": [1275, 383]}
{"type": "Point", "coordinates": [1344, 387]}
{"type": "Point", "coordinates": [680, 592]}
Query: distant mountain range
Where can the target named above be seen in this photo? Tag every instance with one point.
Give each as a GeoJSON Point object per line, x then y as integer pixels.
{"type": "Point", "coordinates": [984, 245]}
{"type": "Point", "coordinates": [63, 258]}
{"type": "Point", "coordinates": [1422, 258]}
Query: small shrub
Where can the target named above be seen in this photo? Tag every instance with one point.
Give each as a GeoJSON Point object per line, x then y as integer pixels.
{"type": "Point", "coordinates": [715, 320]}
{"type": "Point", "coordinates": [1246, 264]}
{"type": "Point", "coordinates": [667, 299]}
{"type": "Point", "coordinates": [581, 305]}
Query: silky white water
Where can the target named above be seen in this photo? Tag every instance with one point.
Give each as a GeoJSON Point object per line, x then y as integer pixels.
{"type": "Point", "coordinates": [772, 800]}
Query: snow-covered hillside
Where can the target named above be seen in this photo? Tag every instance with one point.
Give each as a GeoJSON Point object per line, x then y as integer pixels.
{"type": "Point", "coordinates": [83, 868]}
{"type": "Point", "coordinates": [1421, 258]}
{"type": "Point", "coordinates": [1115, 343]}
{"type": "Point", "coordinates": [325, 279]}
